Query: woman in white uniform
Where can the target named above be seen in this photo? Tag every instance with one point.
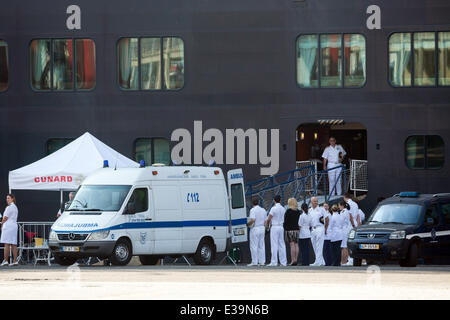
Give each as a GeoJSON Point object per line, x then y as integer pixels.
{"type": "Point", "coordinates": [335, 234]}
{"type": "Point", "coordinates": [9, 230]}
{"type": "Point", "coordinates": [346, 227]}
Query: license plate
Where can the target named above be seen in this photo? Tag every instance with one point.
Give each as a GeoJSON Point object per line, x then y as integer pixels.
{"type": "Point", "coordinates": [369, 246]}
{"type": "Point", "coordinates": [71, 249]}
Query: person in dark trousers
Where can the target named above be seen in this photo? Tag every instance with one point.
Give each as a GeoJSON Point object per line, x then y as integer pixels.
{"type": "Point", "coordinates": [327, 242]}
{"type": "Point", "coordinates": [335, 233]}
{"type": "Point", "coordinates": [291, 229]}
{"type": "Point", "coordinates": [304, 223]}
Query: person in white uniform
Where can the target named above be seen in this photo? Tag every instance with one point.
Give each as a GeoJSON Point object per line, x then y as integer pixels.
{"type": "Point", "coordinates": [335, 233]}
{"type": "Point", "coordinates": [317, 217]}
{"type": "Point", "coordinates": [304, 223]}
{"type": "Point", "coordinates": [277, 244]}
{"type": "Point", "coordinates": [354, 216]}
{"type": "Point", "coordinates": [256, 222]}
{"type": "Point", "coordinates": [326, 242]}
{"type": "Point", "coordinates": [9, 230]}
{"type": "Point", "coordinates": [346, 227]}
{"type": "Point", "coordinates": [333, 156]}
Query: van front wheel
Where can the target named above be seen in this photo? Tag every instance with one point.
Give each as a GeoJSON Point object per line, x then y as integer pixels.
{"type": "Point", "coordinates": [205, 253]}
{"type": "Point", "coordinates": [122, 253]}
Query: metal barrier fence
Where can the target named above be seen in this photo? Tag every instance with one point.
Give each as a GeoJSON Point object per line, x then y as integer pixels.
{"type": "Point", "coordinates": [33, 242]}
{"type": "Point", "coordinates": [359, 179]}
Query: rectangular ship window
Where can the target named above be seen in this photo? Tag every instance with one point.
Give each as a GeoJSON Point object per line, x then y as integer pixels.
{"type": "Point", "coordinates": [355, 60]}
{"type": "Point", "coordinates": [62, 64]}
{"type": "Point", "coordinates": [424, 59]}
{"type": "Point", "coordinates": [151, 63]}
{"type": "Point", "coordinates": [173, 53]}
{"type": "Point", "coordinates": [331, 60]}
{"type": "Point", "coordinates": [425, 152]}
{"type": "Point", "coordinates": [40, 61]}
{"type": "Point", "coordinates": [152, 150]}
{"type": "Point", "coordinates": [53, 61]}
{"type": "Point", "coordinates": [400, 59]}
{"type": "Point", "coordinates": [444, 58]}
{"type": "Point", "coordinates": [4, 63]}
{"type": "Point", "coordinates": [308, 61]}
{"type": "Point", "coordinates": [85, 64]}
{"type": "Point", "coordinates": [128, 68]}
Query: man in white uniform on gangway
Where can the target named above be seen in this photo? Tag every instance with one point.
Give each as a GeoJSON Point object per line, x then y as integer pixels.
{"type": "Point", "coordinates": [331, 159]}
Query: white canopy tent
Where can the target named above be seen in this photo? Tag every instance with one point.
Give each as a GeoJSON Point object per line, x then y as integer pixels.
{"type": "Point", "coordinates": [66, 168]}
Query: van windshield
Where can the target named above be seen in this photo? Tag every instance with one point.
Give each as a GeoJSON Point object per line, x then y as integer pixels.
{"type": "Point", "coordinates": [99, 198]}
{"type": "Point", "coordinates": [399, 213]}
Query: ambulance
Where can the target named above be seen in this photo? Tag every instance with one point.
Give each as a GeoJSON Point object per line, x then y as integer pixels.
{"type": "Point", "coordinates": [152, 212]}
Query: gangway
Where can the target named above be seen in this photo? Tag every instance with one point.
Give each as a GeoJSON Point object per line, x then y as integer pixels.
{"type": "Point", "coordinates": [301, 183]}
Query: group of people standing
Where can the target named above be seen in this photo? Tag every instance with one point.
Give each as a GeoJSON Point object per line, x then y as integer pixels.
{"type": "Point", "coordinates": [324, 228]}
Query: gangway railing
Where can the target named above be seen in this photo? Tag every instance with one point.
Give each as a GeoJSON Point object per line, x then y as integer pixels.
{"type": "Point", "coordinates": [301, 183]}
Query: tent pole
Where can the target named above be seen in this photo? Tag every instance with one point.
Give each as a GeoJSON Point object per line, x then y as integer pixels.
{"type": "Point", "coordinates": [61, 197]}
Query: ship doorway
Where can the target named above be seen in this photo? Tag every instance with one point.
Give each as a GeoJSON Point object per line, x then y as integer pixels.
{"type": "Point", "coordinates": [313, 138]}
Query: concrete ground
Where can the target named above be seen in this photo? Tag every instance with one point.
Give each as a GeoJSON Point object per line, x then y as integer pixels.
{"type": "Point", "coordinates": [224, 282]}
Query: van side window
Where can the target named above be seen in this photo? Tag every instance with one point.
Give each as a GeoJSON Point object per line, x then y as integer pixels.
{"type": "Point", "coordinates": [433, 213]}
{"type": "Point", "coordinates": [237, 196]}
{"type": "Point", "coordinates": [139, 200]}
{"type": "Point", "coordinates": [445, 208]}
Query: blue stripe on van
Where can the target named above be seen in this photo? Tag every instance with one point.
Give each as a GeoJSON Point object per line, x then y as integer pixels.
{"type": "Point", "coordinates": [168, 224]}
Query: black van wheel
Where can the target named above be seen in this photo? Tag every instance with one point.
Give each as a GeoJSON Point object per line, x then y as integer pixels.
{"type": "Point", "coordinates": [122, 253]}
{"type": "Point", "coordinates": [357, 262]}
{"type": "Point", "coordinates": [205, 253]}
{"type": "Point", "coordinates": [65, 261]}
{"type": "Point", "coordinates": [149, 260]}
{"type": "Point", "coordinates": [411, 259]}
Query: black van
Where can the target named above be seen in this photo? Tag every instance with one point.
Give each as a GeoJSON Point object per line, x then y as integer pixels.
{"type": "Point", "coordinates": [406, 227]}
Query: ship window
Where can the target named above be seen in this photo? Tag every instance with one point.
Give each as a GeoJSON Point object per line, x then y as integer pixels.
{"type": "Point", "coordinates": [308, 61]}
{"type": "Point", "coordinates": [85, 64]}
{"type": "Point", "coordinates": [424, 59]}
{"type": "Point", "coordinates": [142, 65]}
{"type": "Point", "coordinates": [331, 62]}
{"type": "Point", "coordinates": [340, 60]}
{"type": "Point", "coordinates": [152, 150]}
{"type": "Point", "coordinates": [400, 60]}
{"type": "Point", "coordinates": [53, 62]}
{"type": "Point", "coordinates": [4, 76]}
{"type": "Point", "coordinates": [425, 152]}
{"type": "Point", "coordinates": [127, 52]}
{"type": "Point", "coordinates": [173, 63]}
{"type": "Point", "coordinates": [56, 144]}
{"type": "Point", "coordinates": [40, 64]}
{"type": "Point", "coordinates": [151, 63]}
{"type": "Point", "coordinates": [427, 67]}
{"type": "Point", "coordinates": [62, 64]}
{"type": "Point", "coordinates": [355, 60]}
{"type": "Point", "coordinates": [444, 58]}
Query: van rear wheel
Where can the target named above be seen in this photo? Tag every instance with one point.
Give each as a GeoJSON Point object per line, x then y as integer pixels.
{"type": "Point", "coordinates": [122, 253]}
{"type": "Point", "coordinates": [149, 260]}
{"type": "Point", "coordinates": [205, 252]}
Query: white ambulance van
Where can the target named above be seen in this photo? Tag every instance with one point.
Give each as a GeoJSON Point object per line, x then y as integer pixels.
{"type": "Point", "coordinates": [152, 212]}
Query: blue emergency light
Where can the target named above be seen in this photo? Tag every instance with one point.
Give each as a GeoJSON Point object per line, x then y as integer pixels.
{"type": "Point", "coordinates": [142, 164]}
{"type": "Point", "coordinates": [409, 194]}
{"type": "Point", "coordinates": [105, 164]}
